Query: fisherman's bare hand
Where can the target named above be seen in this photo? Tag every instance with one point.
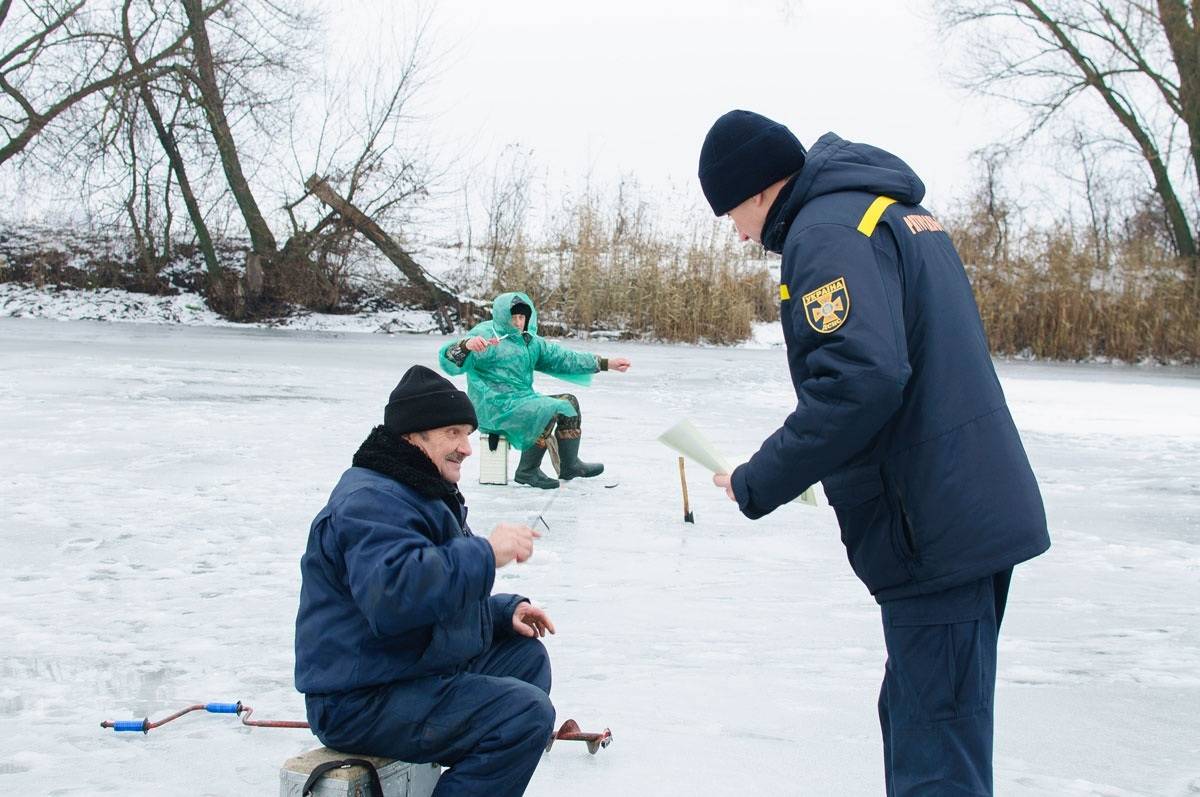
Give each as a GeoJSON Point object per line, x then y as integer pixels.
{"type": "Point", "coordinates": [478, 344]}
{"type": "Point", "coordinates": [722, 480]}
{"type": "Point", "coordinates": [528, 620]}
{"type": "Point", "coordinates": [512, 542]}
{"type": "Point", "coordinates": [619, 364]}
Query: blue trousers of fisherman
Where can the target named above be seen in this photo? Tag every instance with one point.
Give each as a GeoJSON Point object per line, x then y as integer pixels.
{"type": "Point", "coordinates": [936, 701]}
{"type": "Point", "coordinates": [489, 723]}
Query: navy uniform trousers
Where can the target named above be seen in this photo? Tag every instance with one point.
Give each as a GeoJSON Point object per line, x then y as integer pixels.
{"type": "Point", "coordinates": [490, 723]}
{"type": "Point", "coordinates": [935, 705]}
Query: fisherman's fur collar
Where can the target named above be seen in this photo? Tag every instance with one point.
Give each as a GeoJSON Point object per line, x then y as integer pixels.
{"type": "Point", "coordinates": [395, 457]}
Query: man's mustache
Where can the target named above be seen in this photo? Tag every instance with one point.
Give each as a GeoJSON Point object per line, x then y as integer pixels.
{"type": "Point", "coordinates": [455, 457]}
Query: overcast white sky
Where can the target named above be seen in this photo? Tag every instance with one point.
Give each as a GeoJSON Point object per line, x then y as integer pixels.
{"type": "Point", "coordinates": [602, 90]}
{"type": "Point", "coordinates": [631, 86]}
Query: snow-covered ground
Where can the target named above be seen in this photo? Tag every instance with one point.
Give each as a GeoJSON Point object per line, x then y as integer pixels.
{"type": "Point", "coordinates": [158, 483]}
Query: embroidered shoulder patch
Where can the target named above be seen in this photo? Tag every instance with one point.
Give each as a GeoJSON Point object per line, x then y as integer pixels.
{"type": "Point", "coordinates": [826, 308]}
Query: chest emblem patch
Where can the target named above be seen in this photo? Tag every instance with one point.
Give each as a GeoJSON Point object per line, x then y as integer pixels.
{"type": "Point", "coordinates": [827, 307]}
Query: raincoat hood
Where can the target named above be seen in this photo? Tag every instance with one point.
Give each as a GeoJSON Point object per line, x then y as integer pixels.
{"type": "Point", "coordinates": [502, 313]}
{"type": "Point", "coordinates": [834, 165]}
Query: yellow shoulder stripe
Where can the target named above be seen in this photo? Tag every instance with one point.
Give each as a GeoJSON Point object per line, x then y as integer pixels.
{"type": "Point", "coordinates": [784, 294]}
{"type": "Point", "coordinates": [871, 217]}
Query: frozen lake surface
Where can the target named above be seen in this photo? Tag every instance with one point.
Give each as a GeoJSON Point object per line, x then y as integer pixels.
{"type": "Point", "coordinates": [158, 483]}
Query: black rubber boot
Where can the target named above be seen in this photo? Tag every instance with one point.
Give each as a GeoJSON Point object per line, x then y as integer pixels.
{"type": "Point", "coordinates": [529, 469]}
{"type": "Point", "coordinates": [571, 466]}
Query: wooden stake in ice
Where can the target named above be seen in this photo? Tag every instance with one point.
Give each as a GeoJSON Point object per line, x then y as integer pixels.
{"type": "Point", "coordinates": [687, 512]}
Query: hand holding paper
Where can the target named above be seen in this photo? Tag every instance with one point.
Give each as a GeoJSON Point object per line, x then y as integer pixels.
{"type": "Point", "coordinates": [725, 482]}
{"type": "Point", "coordinates": [686, 439]}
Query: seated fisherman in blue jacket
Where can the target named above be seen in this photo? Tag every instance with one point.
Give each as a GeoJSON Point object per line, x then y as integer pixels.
{"type": "Point", "coordinates": [900, 415]}
{"type": "Point", "coordinates": [401, 649]}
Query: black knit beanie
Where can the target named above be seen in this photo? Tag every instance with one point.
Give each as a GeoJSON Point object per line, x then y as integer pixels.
{"type": "Point", "coordinates": [744, 153]}
{"type": "Point", "coordinates": [426, 400]}
{"type": "Point", "coordinates": [520, 308]}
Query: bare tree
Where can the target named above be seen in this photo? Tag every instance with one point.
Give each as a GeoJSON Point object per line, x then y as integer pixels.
{"type": "Point", "coordinates": [204, 120]}
{"type": "Point", "coordinates": [368, 168]}
{"type": "Point", "coordinates": [1098, 198]}
{"type": "Point", "coordinates": [170, 146]}
{"type": "Point", "coordinates": [508, 202]}
{"type": "Point", "coordinates": [55, 56]}
{"type": "Point", "coordinates": [1139, 59]}
{"type": "Point", "coordinates": [991, 208]}
{"type": "Point", "coordinates": [262, 240]}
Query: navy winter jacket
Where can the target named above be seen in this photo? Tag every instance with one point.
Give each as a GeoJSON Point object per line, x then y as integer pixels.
{"type": "Point", "coordinates": [394, 586]}
{"type": "Point", "coordinates": [899, 411]}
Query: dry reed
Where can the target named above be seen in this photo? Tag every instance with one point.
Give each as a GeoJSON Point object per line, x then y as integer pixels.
{"type": "Point", "coordinates": [1054, 294]}
{"type": "Point", "coordinates": [613, 272]}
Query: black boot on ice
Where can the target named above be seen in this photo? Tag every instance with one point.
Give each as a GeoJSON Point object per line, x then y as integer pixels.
{"type": "Point", "coordinates": [529, 469]}
{"type": "Point", "coordinates": [571, 465]}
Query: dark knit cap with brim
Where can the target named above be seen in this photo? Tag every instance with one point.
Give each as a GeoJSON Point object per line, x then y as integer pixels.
{"type": "Point", "coordinates": [743, 154]}
{"type": "Point", "coordinates": [426, 400]}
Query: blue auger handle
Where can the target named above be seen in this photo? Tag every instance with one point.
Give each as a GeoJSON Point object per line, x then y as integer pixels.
{"type": "Point", "coordinates": [131, 725]}
{"type": "Point", "coordinates": [224, 708]}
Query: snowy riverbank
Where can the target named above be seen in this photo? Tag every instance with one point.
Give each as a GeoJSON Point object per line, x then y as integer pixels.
{"type": "Point", "coordinates": [188, 309]}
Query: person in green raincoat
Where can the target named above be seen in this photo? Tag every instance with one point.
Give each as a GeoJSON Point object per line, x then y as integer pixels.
{"type": "Point", "coordinates": [499, 358]}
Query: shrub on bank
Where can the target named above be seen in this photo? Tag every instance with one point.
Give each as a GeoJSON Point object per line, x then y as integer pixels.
{"type": "Point", "coordinates": [1058, 294]}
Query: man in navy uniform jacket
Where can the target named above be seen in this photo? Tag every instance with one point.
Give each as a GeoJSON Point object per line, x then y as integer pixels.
{"type": "Point", "coordinates": [900, 415]}
{"type": "Point", "coordinates": [401, 649]}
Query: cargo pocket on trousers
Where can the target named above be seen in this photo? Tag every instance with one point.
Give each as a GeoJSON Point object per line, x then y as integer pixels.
{"type": "Point", "coordinates": [936, 653]}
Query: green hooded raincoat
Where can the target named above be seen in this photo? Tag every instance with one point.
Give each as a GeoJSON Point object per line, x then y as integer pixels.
{"type": "Point", "coordinates": [500, 378]}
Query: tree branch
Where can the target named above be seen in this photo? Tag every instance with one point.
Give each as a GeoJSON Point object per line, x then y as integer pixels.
{"type": "Point", "coordinates": [149, 70]}
{"type": "Point", "coordinates": [36, 40]}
